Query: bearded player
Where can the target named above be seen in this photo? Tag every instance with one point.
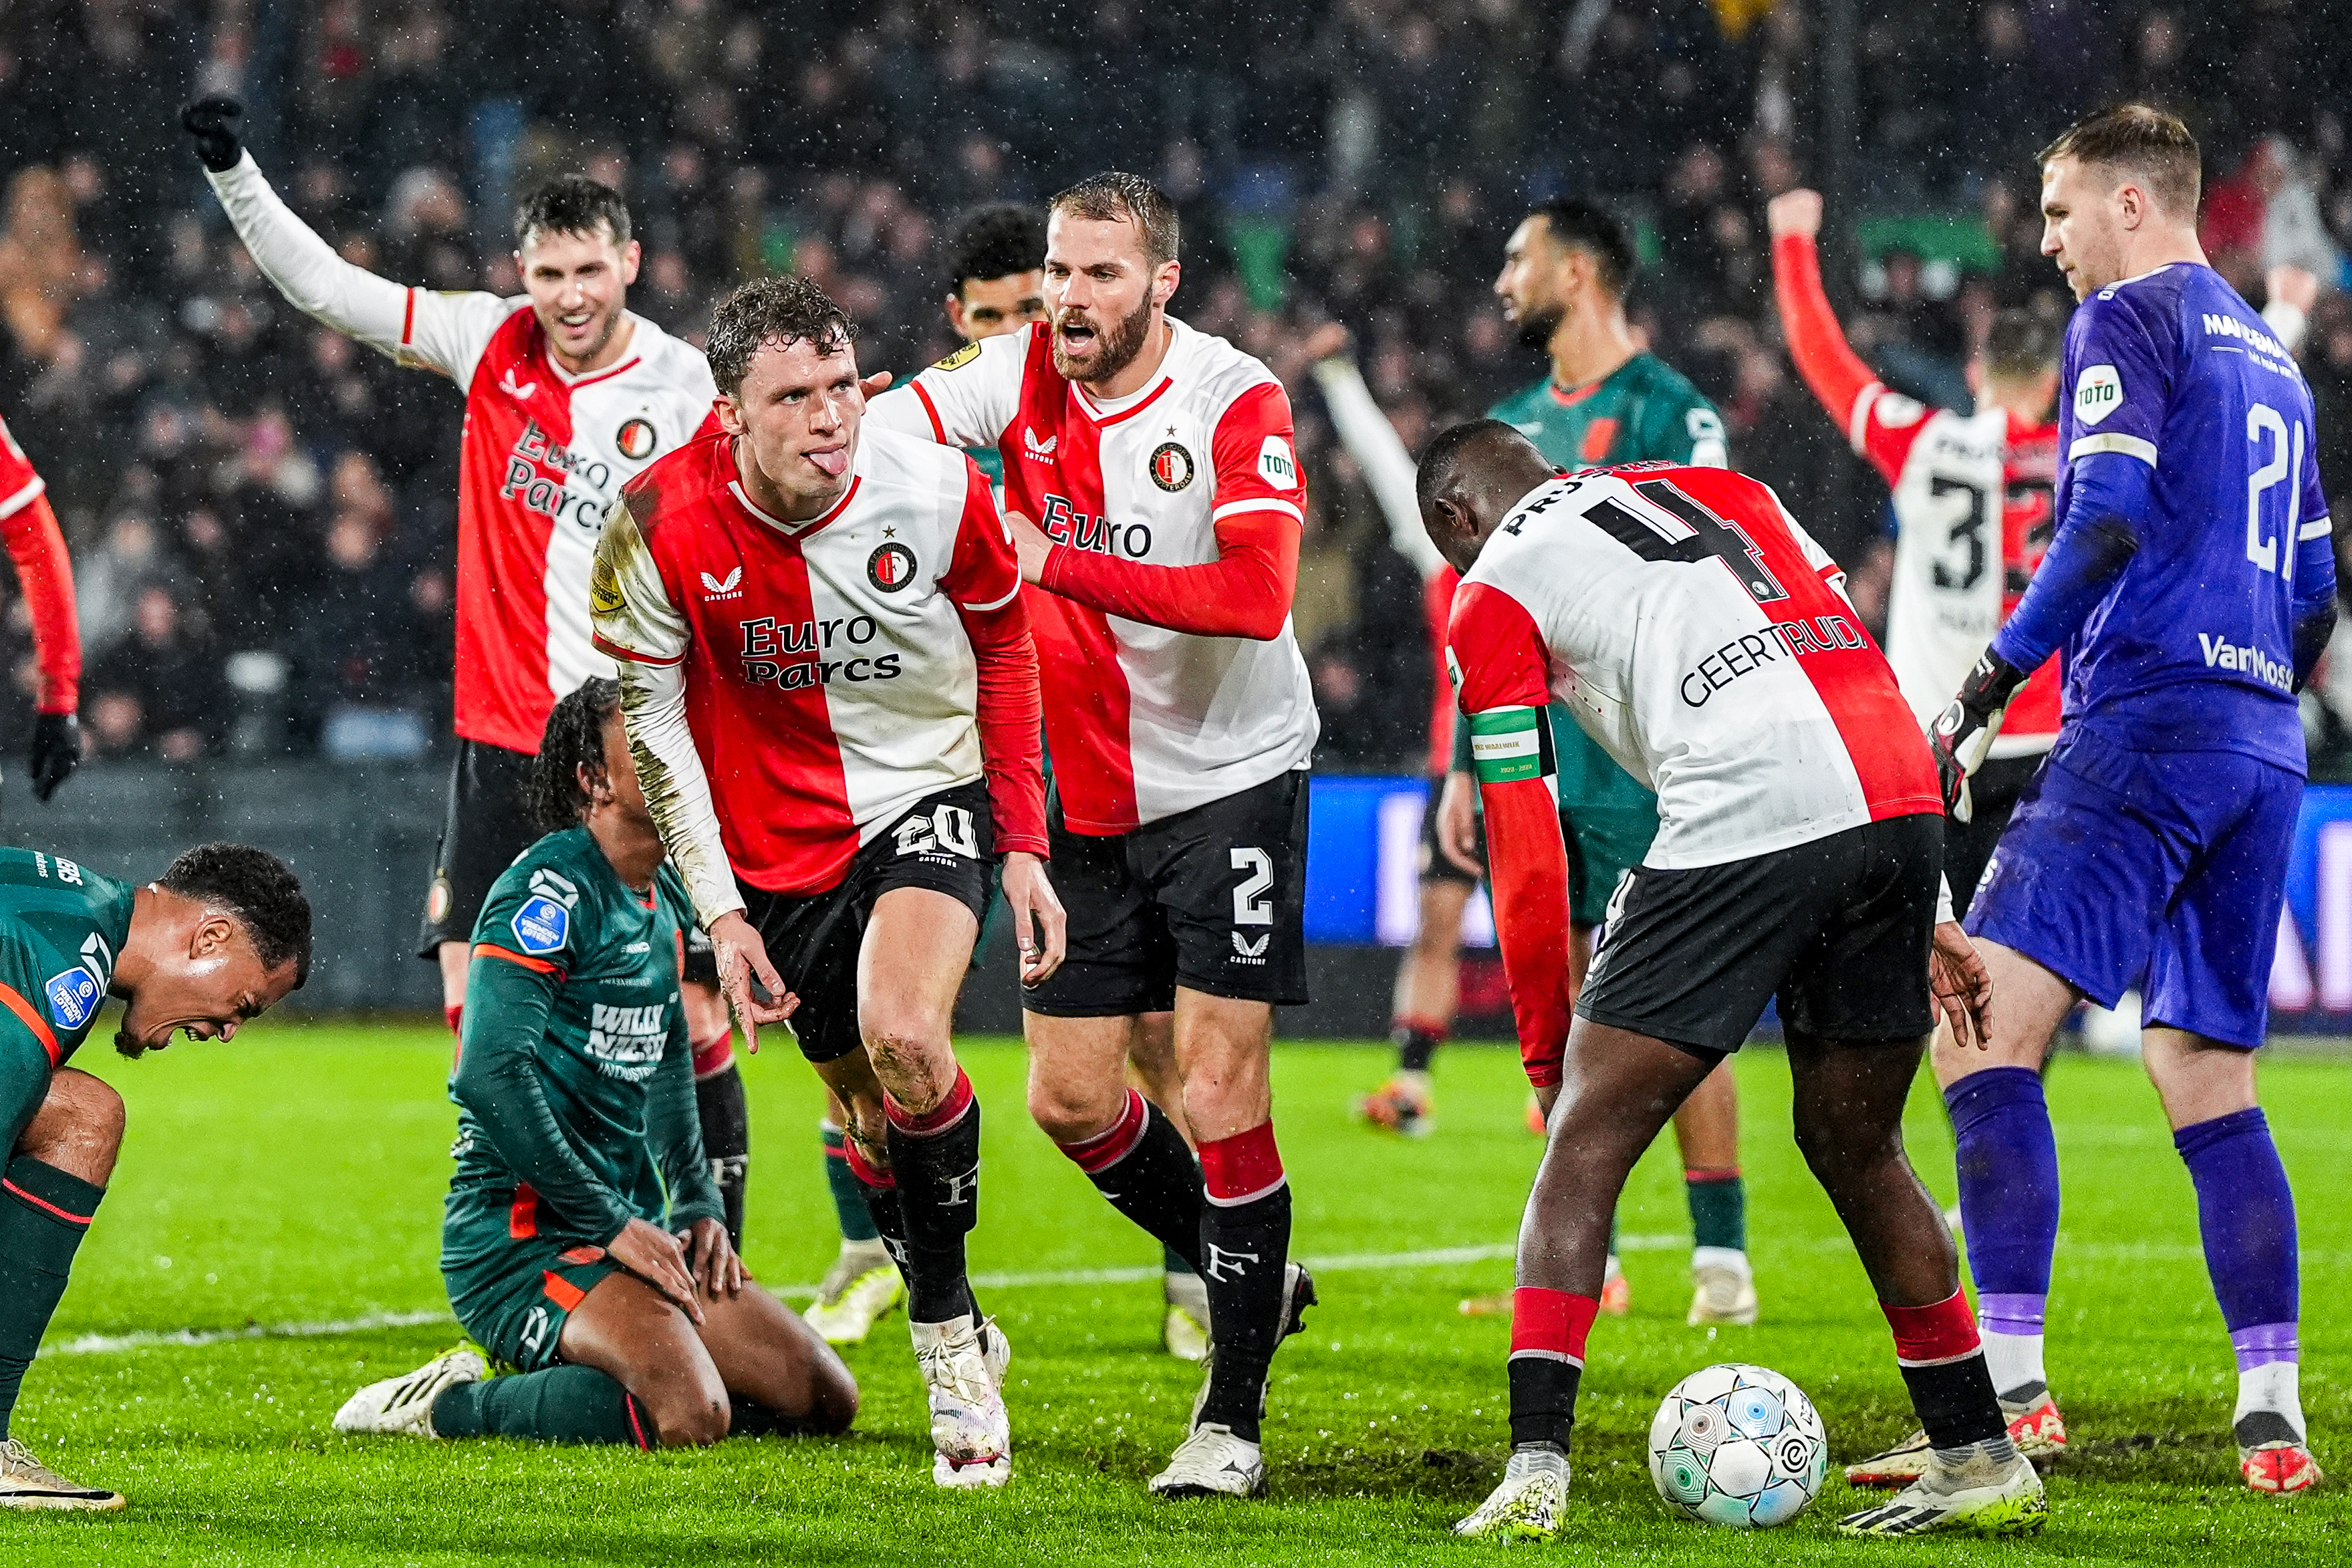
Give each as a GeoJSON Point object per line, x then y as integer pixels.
{"type": "Point", "coordinates": [832, 699]}
{"type": "Point", "coordinates": [224, 933]}
{"type": "Point", "coordinates": [45, 575]}
{"type": "Point", "coordinates": [568, 395]}
{"type": "Point", "coordinates": [1157, 463]}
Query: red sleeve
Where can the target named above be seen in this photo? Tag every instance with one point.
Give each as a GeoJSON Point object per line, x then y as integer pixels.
{"type": "Point", "coordinates": [1504, 667]}
{"type": "Point", "coordinates": [1257, 511]}
{"type": "Point", "coordinates": [1437, 605]}
{"type": "Point", "coordinates": [984, 584]}
{"type": "Point", "coordinates": [1880, 424]}
{"type": "Point", "coordinates": [46, 576]}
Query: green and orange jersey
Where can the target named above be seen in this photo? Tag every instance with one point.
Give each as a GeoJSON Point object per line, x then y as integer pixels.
{"type": "Point", "coordinates": [62, 927]}
{"type": "Point", "coordinates": [574, 1080]}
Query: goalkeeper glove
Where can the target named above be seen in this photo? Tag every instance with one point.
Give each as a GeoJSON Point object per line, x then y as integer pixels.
{"type": "Point", "coordinates": [56, 752]}
{"type": "Point", "coordinates": [214, 122]}
{"type": "Point", "coordinates": [1963, 732]}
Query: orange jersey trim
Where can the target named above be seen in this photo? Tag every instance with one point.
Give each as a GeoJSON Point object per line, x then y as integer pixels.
{"type": "Point", "coordinates": [492, 949]}
{"type": "Point", "coordinates": [27, 1014]}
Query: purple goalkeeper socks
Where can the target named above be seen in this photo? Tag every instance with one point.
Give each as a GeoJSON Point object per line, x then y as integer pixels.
{"type": "Point", "coordinates": [2008, 1183]}
{"type": "Point", "coordinates": [2246, 1214]}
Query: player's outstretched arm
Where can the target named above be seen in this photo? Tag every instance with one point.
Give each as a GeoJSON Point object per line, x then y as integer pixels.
{"type": "Point", "coordinates": [1846, 387]}
{"type": "Point", "coordinates": [1377, 449]}
{"type": "Point", "coordinates": [46, 575]}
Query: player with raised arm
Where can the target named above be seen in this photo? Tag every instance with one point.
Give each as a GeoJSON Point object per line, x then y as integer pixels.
{"type": "Point", "coordinates": [1158, 465]}
{"type": "Point", "coordinates": [1566, 272]}
{"type": "Point", "coordinates": [1704, 639]}
{"type": "Point", "coordinates": [584, 1242]}
{"type": "Point", "coordinates": [2192, 586]}
{"type": "Point", "coordinates": [224, 933]}
{"type": "Point", "coordinates": [832, 699]}
{"type": "Point", "coordinates": [45, 577]}
{"type": "Point", "coordinates": [568, 395]}
{"type": "Point", "coordinates": [1972, 519]}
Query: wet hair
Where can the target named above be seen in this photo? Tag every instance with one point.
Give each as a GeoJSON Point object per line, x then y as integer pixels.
{"type": "Point", "coordinates": [574, 737]}
{"type": "Point", "coordinates": [1580, 225]}
{"type": "Point", "coordinates": [1111, 196]}
{"type": "Point", "coordinates": [2022, 342]}
{"type": "Point", "coordinates": [996, 242]}
{"type": "Point", "coordinates": [1443, 457]}
{"type": "Point", "coordinates": [571, 204]}
{"type": "Point", "coordinates": [259, 890]}
{"type": "Point", "coordinates": [772, 311]}
{"type": "Point", "coordinates": [2143, 143]}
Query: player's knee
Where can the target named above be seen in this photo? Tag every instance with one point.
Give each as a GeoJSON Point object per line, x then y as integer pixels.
{"type": "Point", "coordinates": [1073, 1112]}
{"type": "Point", "coordinates": [912, 1056]}
{"type": "Point", "coordinates": [832, 1409]}
{"type": "Point", "coordinates": [693, 1419]}
{"type": "Point", "coordinates": [78, 1126]}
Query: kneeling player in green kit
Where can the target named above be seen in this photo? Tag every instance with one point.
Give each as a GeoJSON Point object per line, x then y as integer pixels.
{"type": "Point", "coordinates": [223, 933]}
{"type": "Point", "coordinates": [584, 1242]}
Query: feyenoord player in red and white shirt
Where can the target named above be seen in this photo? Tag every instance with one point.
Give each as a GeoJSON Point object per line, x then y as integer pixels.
{"type": "Point", "coordinates": [1157, 465]}
{"type": "Point", "coordinates": [831, 697]}
{"type": "Point", "coordinates": [1705, 642]}
{"type": "Point", "coordinates": [45, 575]}
{"type": "Point", "coordinates": [568, 395]}
{"type": "Point", "coordinates": [1972, 514]}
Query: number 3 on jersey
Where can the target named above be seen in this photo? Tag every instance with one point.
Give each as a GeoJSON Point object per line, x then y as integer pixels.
{"type": "Point", "coordinates": [2263, 421]}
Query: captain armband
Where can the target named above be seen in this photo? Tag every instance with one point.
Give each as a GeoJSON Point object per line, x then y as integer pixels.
{"type": "Point", "coordinates": [1507, 744]}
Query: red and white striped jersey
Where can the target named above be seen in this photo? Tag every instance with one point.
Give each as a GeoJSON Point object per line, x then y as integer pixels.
{"type": "Point", "coordinates": [1702, 637]}
{"type": "Point", "coordinates": [830, 673]}
{"type": "Point", "coordinates": [543, 457]}
{"type": "Point", "coordinates": [1171, 675]}
{"type": "Point", "coordinates": [20, 485]}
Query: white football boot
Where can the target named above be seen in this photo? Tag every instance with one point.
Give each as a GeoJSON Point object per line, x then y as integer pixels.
{"type": "Point", "coordinates": [1982, 1496]}
{"type": "Point", "coordinates": [857, 1292]}
{"type": "Point", "coordinates": [26, 1483]}
{"type": "Point", "coordinates": [971, 1432]}
{"type": "Point", "coordinates": [402, 1406]}
{"type": "Point", "coordinates": [1722, 1289]}
{"type": "Point", "coordinates": [1185, 1328]}
{"type": "Point", "coordinates": [1212, 1462]}
{"type": "Point", "coordinates": [1526, 1506]}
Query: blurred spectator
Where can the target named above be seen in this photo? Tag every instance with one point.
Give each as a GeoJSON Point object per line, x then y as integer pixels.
{"type": "Point", "coordinates": [160, 692]}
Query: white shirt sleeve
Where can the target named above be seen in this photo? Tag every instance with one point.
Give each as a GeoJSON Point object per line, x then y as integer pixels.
{"type": "Point", "coordinates": [1379, 452]}
{"type": "Point", "coordinates": [447, 332]}
{"type": "Point", "coordinates": [965, 400]}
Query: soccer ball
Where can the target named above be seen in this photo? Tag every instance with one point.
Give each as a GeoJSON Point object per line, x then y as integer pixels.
{"type": "Point", "coordinates": [1737, 1445]}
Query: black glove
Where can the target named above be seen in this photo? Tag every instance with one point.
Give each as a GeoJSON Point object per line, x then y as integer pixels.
{"type": "Point", "coordinates": [56, 752]}
{"type": "Point", "coordinates": [214, 122]}
{"type": "Point", "coordinates": [1963, 732]}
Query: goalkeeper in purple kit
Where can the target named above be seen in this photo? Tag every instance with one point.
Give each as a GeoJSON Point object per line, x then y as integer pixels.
{"type": "Point", "coordinates": [2192, 586]}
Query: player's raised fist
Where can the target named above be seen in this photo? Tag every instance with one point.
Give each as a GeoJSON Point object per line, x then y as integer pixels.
{"type": "Point", "coordinates": [56, 752]}
{"type": "Point", "coordinates": [1794, 212]}
{"type": "Point", "coordinates": [215, 123]}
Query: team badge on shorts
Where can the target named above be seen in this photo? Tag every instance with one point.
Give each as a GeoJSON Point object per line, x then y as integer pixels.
{"type": "Point", "coordinates": [73, 997]}
{"type": "Point", "coordinates": [636, 439]}
{"type": "Point", "coordinates": [1171, 467]}
{"type": "Point", "coordinates": [437, 899]}
{"type": "Point", "coordinates": [541, 924]}
{"type": "Point", "coordinates": [890, 568]}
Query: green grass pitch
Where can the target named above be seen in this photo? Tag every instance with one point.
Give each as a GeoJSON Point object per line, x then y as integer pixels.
{"type": "Point", "coordinates": [295, 1177]}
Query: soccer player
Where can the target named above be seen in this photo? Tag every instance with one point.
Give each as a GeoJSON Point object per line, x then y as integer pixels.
{"type": "Point", "coordinates": [45, 575]}
{"type": "Point", "coordinates": [1565, 274]}
{"type": "Point", "coordinates": [1698, 634]}
{"type": "Point", "coordinates": [832, 700]}
{"type": "Point", "coordinates": [1158, 465]}
{"type": "Point", "coordinates": [1957, 478]}
{"type": "Point", "coordinates": [568, 395]}
{"type": "Point", "coordinates": [584, 1242]}
{"type": "Point", "coordinates": [2192, 586]}
{"type": "Point", "coordinates": [224, 933]}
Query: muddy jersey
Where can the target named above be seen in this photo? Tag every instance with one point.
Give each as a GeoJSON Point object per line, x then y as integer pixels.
{"type": "Point", "coordinates": [545, 454]}
{"type": "Point", "coordinates": [1144, 721]}
{"type": "Point", "coordinates": [1696, 632]}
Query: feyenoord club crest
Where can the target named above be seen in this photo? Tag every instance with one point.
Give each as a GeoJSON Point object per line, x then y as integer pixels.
{"type": "Point", "coordinates": [636, 439]}
{"type": "Point", "coordinates": [890, 568]}
{"type": "Point", "coordinates": [1171, 467]}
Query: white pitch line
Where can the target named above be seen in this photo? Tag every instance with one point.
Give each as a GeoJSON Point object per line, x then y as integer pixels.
{"type": "Point", "coordinates": [148, 1338]}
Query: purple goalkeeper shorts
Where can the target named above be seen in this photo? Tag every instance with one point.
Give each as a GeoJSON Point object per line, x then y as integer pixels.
{"type": "Point", "coordinates": [2163, 870]}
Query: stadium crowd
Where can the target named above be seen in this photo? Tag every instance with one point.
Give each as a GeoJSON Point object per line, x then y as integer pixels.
{"type": "Point", "coordinates": [262, 513]}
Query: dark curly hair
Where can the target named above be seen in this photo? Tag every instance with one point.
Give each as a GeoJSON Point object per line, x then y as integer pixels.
{"type": "Point", "coordinates": [259, 890]}
{"type": "Point", "coordinates": [574, 737]}
{"type": "Point", "coordinates": [771, 310]}
{"type": "Point", "coordinates": [996, 242]}
{"type": "Point", "coordinates": [573, 204]}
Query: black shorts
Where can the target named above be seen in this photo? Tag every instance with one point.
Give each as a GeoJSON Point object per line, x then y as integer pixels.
{"type": "Point", "coordinates": [946, 842]}
{"type": "Point", "coordinates": [1434, 864]}
{"type": "Point", "coordinates": [486, 826]}
{"type": "Point", "coordinates": [1213, 899]}
{"type": "Point", "coordinates": [1838, 929]}
{"type": "Point", "coordinates": [1994, 794]}
{"type": "Point", "coordinates": [701, 959]}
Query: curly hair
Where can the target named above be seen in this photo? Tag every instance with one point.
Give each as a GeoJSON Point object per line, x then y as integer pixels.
{"type": "Point", "coordinates": [771, 310]}
{"type": "Point", "coordinates": [575, 738]}
{"type": "Point", "coordinates": [259, 890]}
{"type": "Point", "coordinates": [996, 242]}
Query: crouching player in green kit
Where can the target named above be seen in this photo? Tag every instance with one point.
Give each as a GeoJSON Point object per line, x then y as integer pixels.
{"type": "Point", "coordinates": [584, 1242]}
{"type": "Point", "coordinates": [223, 933]}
